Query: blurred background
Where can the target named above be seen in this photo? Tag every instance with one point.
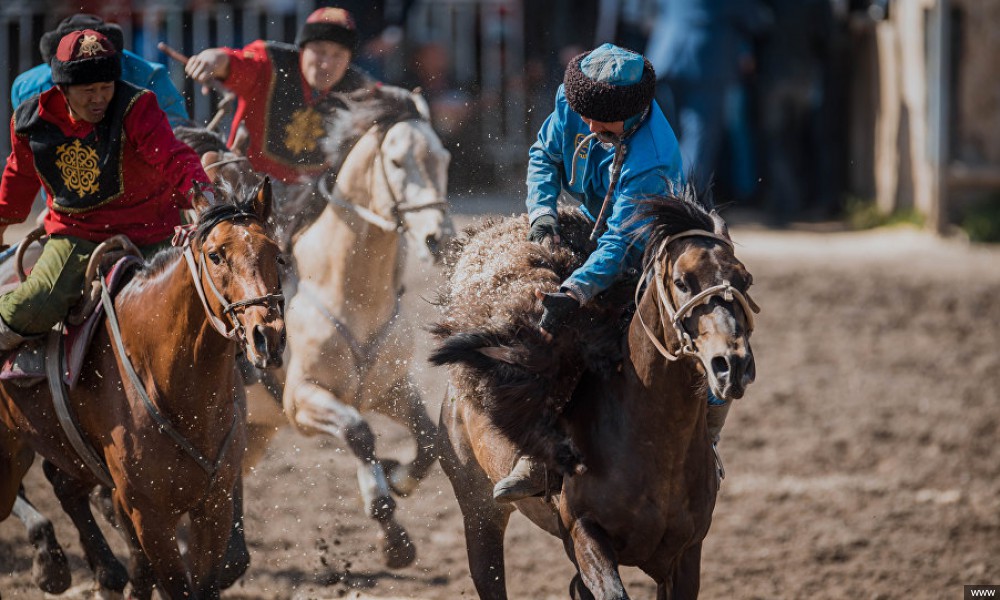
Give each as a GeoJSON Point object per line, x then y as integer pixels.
{"type": "Point", "coordinates": [811, 110]}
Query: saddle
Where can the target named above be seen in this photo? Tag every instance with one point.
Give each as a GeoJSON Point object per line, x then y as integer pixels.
{"type": "Point", "coordinates": [25, 366]}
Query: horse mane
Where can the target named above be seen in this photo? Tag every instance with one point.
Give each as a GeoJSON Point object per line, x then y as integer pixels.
{"type": "Point", "coordinates": [207, 219]}
{"type": "Point", "coordinates": [381, 106]}
{"type": "Point", "coordinates": [678, 211]}
{"type": "Point", "coordinates": [200, 139]}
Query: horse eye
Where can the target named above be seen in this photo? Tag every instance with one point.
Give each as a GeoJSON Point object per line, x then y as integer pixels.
{"type": "Point", "coordinates": [281, 260]}
{"type": "Point", "coordinates": [214, 257]}
{"type": "Point", "coordinates": [680, 285]}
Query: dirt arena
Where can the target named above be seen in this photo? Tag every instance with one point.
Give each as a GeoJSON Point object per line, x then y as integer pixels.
{"type": "Point", "coordinates": [864, 463]}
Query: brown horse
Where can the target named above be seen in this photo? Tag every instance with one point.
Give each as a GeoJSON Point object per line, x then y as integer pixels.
{"type": "Point", "coordinates": [649, 487]}
{"type": "Point", "coordinates": [157, 402]}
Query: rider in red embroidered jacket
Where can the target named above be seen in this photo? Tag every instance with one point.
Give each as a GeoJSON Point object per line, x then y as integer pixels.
{"type": "Point", "coordinates": [285, 90]}
{"type": "Point", "coordinates": [146, 174]}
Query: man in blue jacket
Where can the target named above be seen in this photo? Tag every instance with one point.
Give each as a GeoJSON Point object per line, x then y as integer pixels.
{"type": "Point", "coordinates": [135, 69]}
{"type": "Point", "coordinates": [609, 146]}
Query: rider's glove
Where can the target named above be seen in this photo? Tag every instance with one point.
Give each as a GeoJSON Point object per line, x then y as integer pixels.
{"type": "Point", "coordinates": [559, 308]}
{"type": "Point", "coordinates": [542, 228]}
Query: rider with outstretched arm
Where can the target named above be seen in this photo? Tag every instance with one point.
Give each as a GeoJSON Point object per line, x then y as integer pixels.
{"type": "Point", "coordinates": [608, 145]}
{"type": "Point", "coordinates": [110, 164]}
{"type": "Point", "coordinates": [285, 92]}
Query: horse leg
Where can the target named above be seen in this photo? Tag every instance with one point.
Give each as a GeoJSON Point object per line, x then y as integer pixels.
{"type": "Point", "coordinates": [237, 559]}
{"type": "Point", "coordinates": [405, 406]}
{"type": "Point", "coordinates": [154, 557]}
{"type": "Point", "coordinates": [591, 550]}
{"type": "Point", "coordinates": [483, 520]}
{"type": "Point", "coordinates": [73, 496]}
{"type": "Point", "coordinates": [579, 591]}
{"type": "Point", "coordinates": [316, 409]}
{"type": "Point", "coordinates": [211, 531]}
{"type": "Point", "coordinates": [49, 567]}
{"type": "Point", "coordinates": [687, 580]}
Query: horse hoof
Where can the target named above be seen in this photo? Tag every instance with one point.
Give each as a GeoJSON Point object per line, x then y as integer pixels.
{"type": "Point", "coordinates": [50, 571]}
{"type": "Point", "coordinates": [398, 550]}
{"type": "Point", "coordinates": [382, 508]}
{"type": "Point", "coordinates": [113, 578]}
{"type": "Point", "coordinates": [400, 481]}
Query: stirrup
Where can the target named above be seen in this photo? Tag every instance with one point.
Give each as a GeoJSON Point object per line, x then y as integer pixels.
{"type": "Point", "coordinates": [720, 469]}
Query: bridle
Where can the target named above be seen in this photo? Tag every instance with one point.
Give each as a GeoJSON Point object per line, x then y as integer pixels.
{"type": "Point", "coordinates": [183, 237]}
{"type": "Point", "coordinates": [673, 316]}
{"type": "Point", "coordinates": [399, 208]}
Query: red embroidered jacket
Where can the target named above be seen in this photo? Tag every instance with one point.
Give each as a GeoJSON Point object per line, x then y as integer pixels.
{"type": "Point", "coordinates": [281, 112]}
{"type": "Point", "coordinates": [127, 174]}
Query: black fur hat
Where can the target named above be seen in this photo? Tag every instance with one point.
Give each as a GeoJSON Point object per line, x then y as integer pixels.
{"type": "Point", "coordinates": [609, 84]}
{"type": "Point", "coordinates": [331, 25]}
{"type": "Point", "coordinates": [85, 57]}
{"type": "Point", "coordinates": [50, 40]}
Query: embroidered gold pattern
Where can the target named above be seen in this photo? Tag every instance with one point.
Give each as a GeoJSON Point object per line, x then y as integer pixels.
{"type": "Point", "coordinates": [304, 131]}
{"type": "Point", "coordinates": [90, 46]}
{"type": "Point", "coordinates": [78, 166]}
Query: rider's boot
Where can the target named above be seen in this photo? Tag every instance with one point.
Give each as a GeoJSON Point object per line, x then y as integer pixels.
{"type": "Point", "coordinates": [9, 339]}
{"type": "Point", "coordinates": [717, 412]}
{"type": "Point", "coordinates": [526, 479]}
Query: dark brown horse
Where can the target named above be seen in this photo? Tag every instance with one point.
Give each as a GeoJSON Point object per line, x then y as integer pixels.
{"type": "Point", "coordinates": [647, 495]}
{"type": "Point", "coordinates": [178, 450]}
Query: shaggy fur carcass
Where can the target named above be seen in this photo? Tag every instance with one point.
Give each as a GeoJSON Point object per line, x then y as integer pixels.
{"type": "Point", "coordinates": [490, 334]}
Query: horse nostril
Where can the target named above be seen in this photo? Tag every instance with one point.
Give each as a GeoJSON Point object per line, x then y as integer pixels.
{"type": "Point", "coordinates": [259, 340]}
{"type": "Point", "coordinates": [432, 243]}
{"type": "Point", "coordinates": [720, 366]}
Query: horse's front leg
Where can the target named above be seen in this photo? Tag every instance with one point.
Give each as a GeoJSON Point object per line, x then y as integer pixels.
{"type": "Point", "coordinates": [154, 555]}
{"type": "Point", "coordinates": [315, 409]}
{"type": "Point", "coordinates": [404, 404]}
{"type": "Point", "coordinates": [590, 548]}
{"type": "Point", "coordinates": [237, 559]}
{"type": "Point", "coordinates": [211, 529]}
{"type": "Point", "coordinates": [49, 567]}
{"type": "Point", "coordinates": [74, 495]}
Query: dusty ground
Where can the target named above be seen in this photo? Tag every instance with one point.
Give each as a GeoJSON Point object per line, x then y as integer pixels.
{"type": "Point", "coordinates": [864, 463]}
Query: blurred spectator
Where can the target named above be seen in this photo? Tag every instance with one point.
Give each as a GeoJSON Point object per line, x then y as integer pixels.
{"type": "Point", "coordinates": [451, 107]}
{"type": "Point", "coordinates": [791, 75]}
{"type": "Point", "coordinates": [695, 49]}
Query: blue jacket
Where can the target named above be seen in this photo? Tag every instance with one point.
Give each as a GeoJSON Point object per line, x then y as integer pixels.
{"type": "Point", "coordinates": [652, 164]}
{"type": "Point", "coordinates": [135, 70]}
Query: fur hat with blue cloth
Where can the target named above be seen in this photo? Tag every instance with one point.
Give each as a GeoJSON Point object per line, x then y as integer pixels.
{"type": "Point", "coordinates": [609, 84]}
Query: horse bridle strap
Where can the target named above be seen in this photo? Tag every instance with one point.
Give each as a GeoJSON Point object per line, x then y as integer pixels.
{"type": "Point", "coordinates": [675, 316]}
{"type": "Point", "coordinates": [236, 333]}
{"type": "Point", "coordinates": [211, 468]}
{"type": "Point", "coordinates": [370, 216]}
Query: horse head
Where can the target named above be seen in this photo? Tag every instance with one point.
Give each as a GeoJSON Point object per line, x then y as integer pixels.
{"type": "Point", "coordinates": [238, 266]}
{"type": "Point", "coordinates": [700, 290]}
{"type": "Point", "coordinates": [384, 137]}
{"type": "Point", "coordinates": [416, 173]}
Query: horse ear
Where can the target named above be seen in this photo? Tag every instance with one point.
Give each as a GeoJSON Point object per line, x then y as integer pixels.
{"type": "Point", "coordinates": [720, 225]}
{"type": "Point", "coordinates": [262, 200]}
{"type": "Point", "coordinates": [422, 107]}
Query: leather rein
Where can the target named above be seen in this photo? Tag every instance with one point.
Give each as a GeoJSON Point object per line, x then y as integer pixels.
{"type": "Point", "coordinates": [237, 333]}
{"type": "Point", "coordinates": [671, 315]}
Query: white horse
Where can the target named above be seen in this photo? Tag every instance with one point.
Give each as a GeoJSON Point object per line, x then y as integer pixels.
{"type": "Point", "coordinates": [348, 349]}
